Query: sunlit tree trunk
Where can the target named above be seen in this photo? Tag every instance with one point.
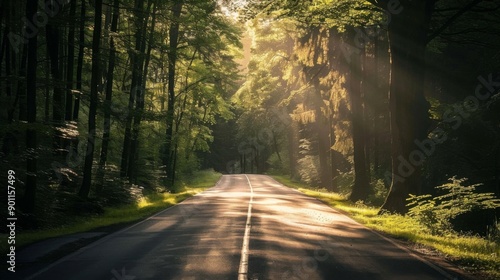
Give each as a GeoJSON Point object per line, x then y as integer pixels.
{"type": "Point", "coordinates": [322, 133]}
{"type": "Point", "coordinates": [168, 156]}
{"type": "Point", "coordinates": [408, 107]}
{"type": "Point", "coordinates": [333, 162]}
{"type": "Point", "coordinates": [361, 187]}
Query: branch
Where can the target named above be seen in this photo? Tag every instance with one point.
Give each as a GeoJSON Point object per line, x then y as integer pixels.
{"type": "Point", "coordinates": [452, 19]}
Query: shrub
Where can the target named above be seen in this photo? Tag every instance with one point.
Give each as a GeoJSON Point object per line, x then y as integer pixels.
{"type": "Point", "coordinates": [436, 213]}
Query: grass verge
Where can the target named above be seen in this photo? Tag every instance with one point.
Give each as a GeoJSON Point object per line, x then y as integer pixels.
{"type": "Point", "coordinates": [472, 253]}
{"type": "Point", "coordinates": [117, 217]}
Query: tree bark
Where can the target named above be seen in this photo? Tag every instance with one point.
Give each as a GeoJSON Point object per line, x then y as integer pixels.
{"type": "Point", "coordinates": [135, 90]}
{"type": "Point", "coordinates": [333, 162]}
{"type": "Point", "coordinates": [408, 107]}
{"type": "Point", "coordinates": [68, 112]}
{"type": "Point", "coordinates": [361, 187]}
{"type": "Point", "coordinates": [31, 135]}
{"type": "Point", "coordinates": [293, 153]}
{"type": "Point", "coordinates": [21, 87]}
{"type": "Point", "coordinates": [109, 95]}
{"type": "Point", "coordinates": [323, 136]}
{"type": "Point", "coordinates": [143, 63]}
{"type": "Point", "coordinates": [79, 67]}
{"type": "Point", "coordinates": [94, 83]}
{"type": "Point", "coordinates": [168, 160]}
{"type": "Point", "coordinates": [53, 36]}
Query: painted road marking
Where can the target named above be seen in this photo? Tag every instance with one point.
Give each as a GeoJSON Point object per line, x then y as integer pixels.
{"type": "Point", "coordinates": [243, 270]}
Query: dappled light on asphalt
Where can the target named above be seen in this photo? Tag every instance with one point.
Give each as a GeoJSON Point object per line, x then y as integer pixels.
{"type": "Point", "coordinates": [298, 237]}
{"type": "Point", "coordinates": [291, 236]}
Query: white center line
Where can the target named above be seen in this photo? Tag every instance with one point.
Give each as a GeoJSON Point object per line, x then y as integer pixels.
{"type": "Point", "coordinates": [243, 270]}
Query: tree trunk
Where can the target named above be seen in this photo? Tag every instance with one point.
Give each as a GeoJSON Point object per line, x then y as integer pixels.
{"type": "Point", "coordinates": [94, 83]}
{"type": "Point", "coordinates": [53, 37]}
{"type": "Point", "coordinates": [135, 90]}
{"type": "Point", "coordinates": [376, 88]}
{"type": "Point", "coordinates": [293, 153]}
{"type": "Point", "coordinates": [408, 107]}
{"type": "Point", "coordinates": [31, 135]}
{"type": "Point", "coordinates": [68, 112]}
{"type": "Point", "coordinates": [140, 93]}
{"type": "Point", "coordinates": [79, 67]}
{"type": "Point", "coordinates": [21, 87]}
{"type": "Point", "coordinates": [172, 60]}
{"type": "Point", "coordinates": [361, 187]}
{"type": "Point", "coordinates": [109, 94]}
{"type": "Point", "coordinates": [8, 84]}
{"type": "Point", "coordinates": [367, 88]}
{"type": "Point", "coordinates": [333, 162]}
{"type": "Point", "coordinates": [323, 136]}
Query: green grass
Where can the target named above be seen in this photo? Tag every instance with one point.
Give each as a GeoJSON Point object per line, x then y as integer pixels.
{"type": "Point", "coordinates": [114, 218]}
{"type": "Point", "coordinates": [473, 253]}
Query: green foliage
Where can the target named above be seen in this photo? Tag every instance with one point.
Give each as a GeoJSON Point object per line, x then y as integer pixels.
{"type": "Point", "coordinates": [471, 252]}
{"type": "Point", "coordinates": [309, 170]}
{"type": "Point", "coordinates": [279, 165]}
{"type": "Point", "coordinates": [145, 204]}
{"type": "Point", "coordinates": [379, 194]}
{"type": "Point", "coordinates": [437, 212]}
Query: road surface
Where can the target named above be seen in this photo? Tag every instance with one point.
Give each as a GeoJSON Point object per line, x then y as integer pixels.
{"type": "Point", "coordinates": [246, 227]}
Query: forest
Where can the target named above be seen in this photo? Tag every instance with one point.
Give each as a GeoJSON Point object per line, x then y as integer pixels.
{"type": "Point", "coordinates": [392, 103]}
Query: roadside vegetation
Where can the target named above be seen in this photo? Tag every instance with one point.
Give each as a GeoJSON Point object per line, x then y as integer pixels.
{"type": "Point", "coordinates": [114, 217]}
{"type": "Point", "coordinates": [474, 253]}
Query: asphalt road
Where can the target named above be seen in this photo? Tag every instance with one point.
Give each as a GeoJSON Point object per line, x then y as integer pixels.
{"type": "Point", "coordinates": [246, 227]}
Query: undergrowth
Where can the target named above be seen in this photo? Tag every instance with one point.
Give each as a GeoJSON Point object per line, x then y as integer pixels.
{"type": "Point", "coordinates": [145, 205]}
{"type": "Point", "coordinates": [471, 252]}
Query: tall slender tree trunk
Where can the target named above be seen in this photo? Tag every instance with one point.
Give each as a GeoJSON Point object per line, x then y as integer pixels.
{"type": "Point", "coordinates": [361, 187]}
{"type": "Point", "coordinates": [409, 109]}
{"type": "Point", "coordinates": [31, 135]}
{"type": "Point", "coordinates": [366, 89]}
{"type": "Point", "coordinates": [293, 151]}
{"type": "Point", "coordinates": [53, 36]}
{"type": "Point", "coordinates": [323, 136]}
{"type": "Point", "coordinates": [8, 72]}
{"type": "Point", "coordinates": [376, 90]}
{"type": "Point", "coordinates": [94, 83]}
{"type": "Point", "coordinates": [140, 94]}
{"type": "Point", "coordinates": [79, 67]}
{"type": "Point", "coordinates": [68, 112]}
{"type": "Point", "coordinates": [109, 95]}
{"type": "Point", "coordinates": [334, 173]}
{"type": "Point", "coordinates": [21, 87]}
{"type": "Point", "coordinates": [172, 60]}
{"type": "Point", "coordinates": [127, 163]}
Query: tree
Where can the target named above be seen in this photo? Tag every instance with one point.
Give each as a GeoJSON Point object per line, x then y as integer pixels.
{"type": "Point", "coordinates": [31, 135]}
{"type": "Point", "coordinates": [79, 67]}
{"type": "Point", "coordinates": [361, 186]}
{"type": "Point", "coordinates": [409, 109]}
{"type": "Point", "coordinates": [68, 115]}
{"type": "Point", "coordinates": [137, 59]}
{"type": "Point", "coordinates": [168, 154]}
{"type": "Point", "coordinates": [109, 92]}
{"type": "Point", "coordinates": [96, 76]}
